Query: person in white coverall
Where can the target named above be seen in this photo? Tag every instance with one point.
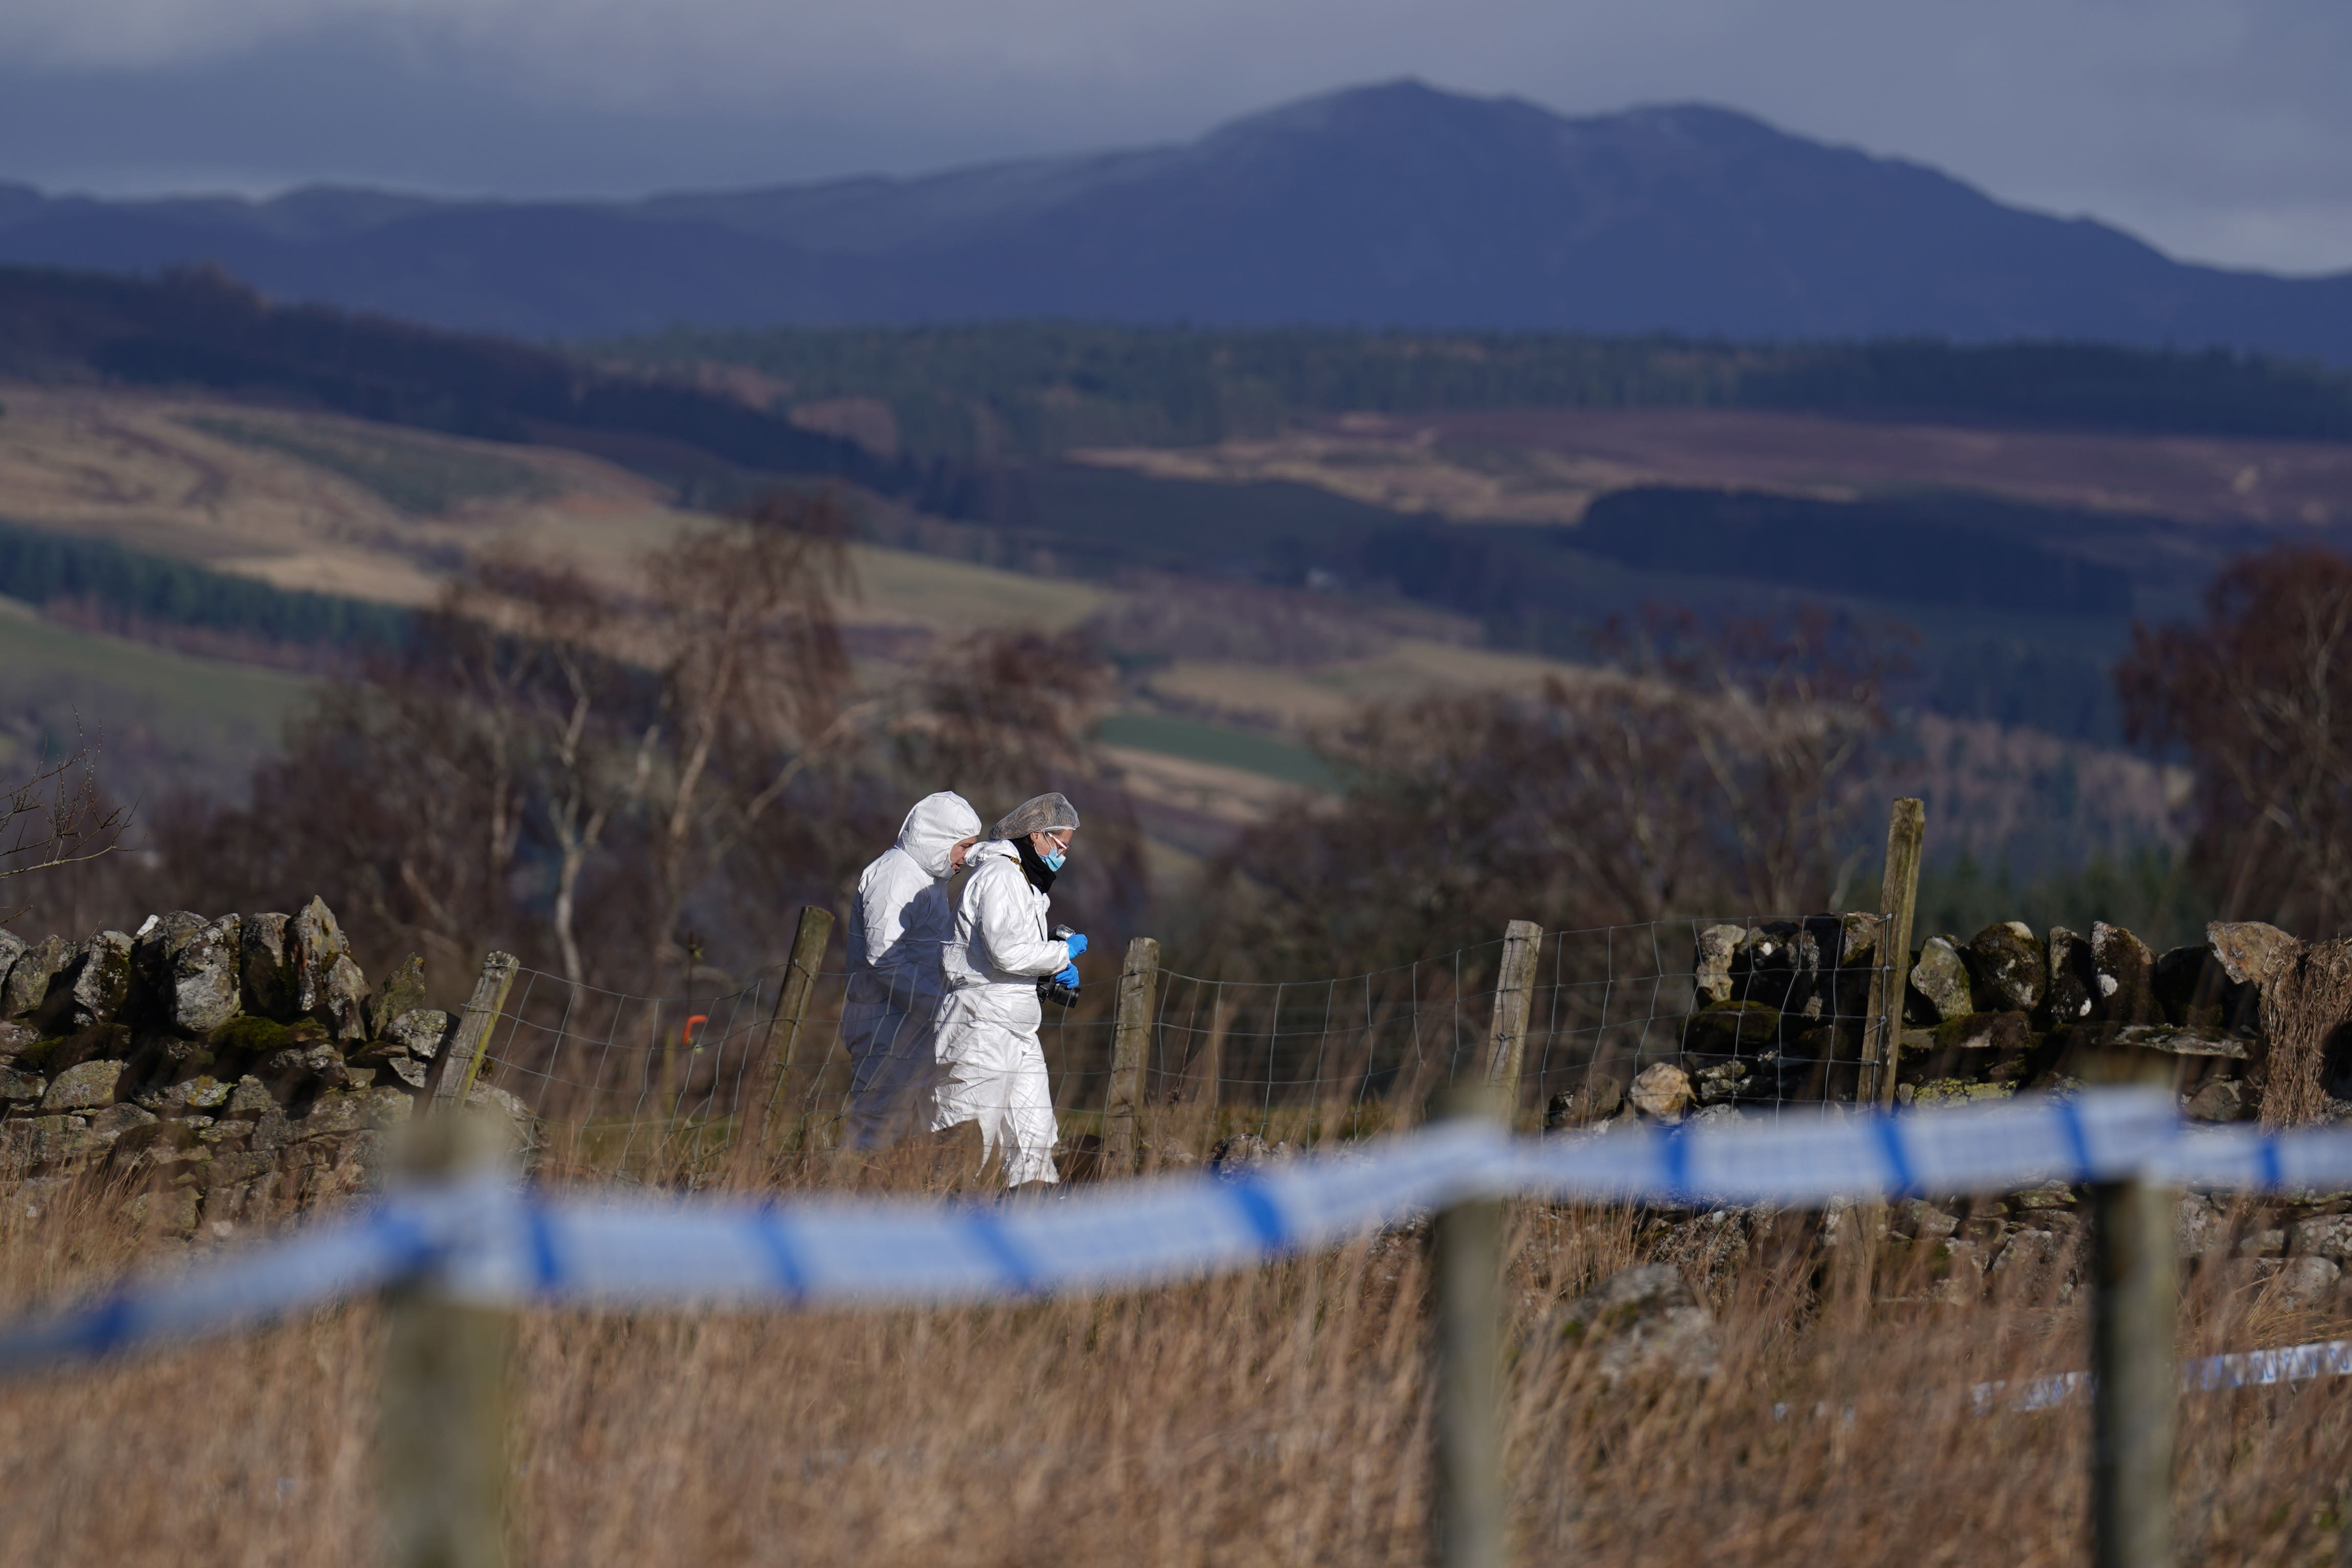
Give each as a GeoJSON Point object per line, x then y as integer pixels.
{"type": "Point", "coordinates": [992, 1069]}
{"type": "Point", "coordinates": [904, 921]}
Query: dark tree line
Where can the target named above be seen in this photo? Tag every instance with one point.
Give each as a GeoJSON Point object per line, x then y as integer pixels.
{"type": "Point", "coordinates": [1018, 392]}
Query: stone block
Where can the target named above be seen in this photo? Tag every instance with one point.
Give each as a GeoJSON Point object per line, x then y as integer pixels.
{"type": "Point", "coordinates": [1924, 1221]}
{"type": "Point", "coordinates": [343, 1009]}
{"type": "Point", "coordinates": [1858, 949]}
{"type": "Point", "coordinates": [1957, 1092]}
{"type": "Point", "coordinates": [2180, 1040]}
{"type": "Point", "coordinates": [1941, 978]}
{"type": "Point", "coordinates": [2036, 1266]}
{"type": "Point", "coordinates": [107, 1126]}
{"type": "Point", "coordinates": [174, 1212]}
{"type": "Point", "coordinates": [190, 965]}
{"type": "Point", "coordinates": [422, 1032]}
{"type": "Point", "coordinates": [1639, 1323]}
{"type": "Point", "coordinates": [101, 980]}
{"type": "Point", "coordinates": [1600, 1097]}
{"type": "Point", "coordinates": [408, 1071]}
{"type": "Point", "coordinates": [2010, 968]}
{"type": "Point", "coordinates": [2223, 1100]}
{"type": "Point", "coordinates": [267, 967]}
{"type": "Point", "coordinates": [1723, 1082]}
{"type": "Point", "coordinates": [250, 1098]}
{"type": "Point", "coordinates": [2252, 953]}
{"type": "Point", "coordinates": [2125, 976]}
{"type": "Point", "coordinates": [30, 976]}
{"type": "Point", "coordinates": [46, 1142]}
{"type": "Point", "coordinates": [401, 992]}
{"type": "Point", "coordinates": [2073, 994]}
{"type": "Point", "coordinates": [1661, 1091]}
{"type": "Point", "coordinates": [190, 1095]}
{"type": "Point", "coordinates": [86, 1087]}
{"type": "Point", "coordinates": [314, 942]}
{"type": "Point", "coordinates": [353, 1110]}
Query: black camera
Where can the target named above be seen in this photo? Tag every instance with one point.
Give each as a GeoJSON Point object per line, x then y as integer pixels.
{"type": "Point", "coordinates": [1050, 989]}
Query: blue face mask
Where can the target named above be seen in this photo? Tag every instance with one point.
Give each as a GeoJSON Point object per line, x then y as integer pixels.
{"type": "Point", "coordinates": [1053, 860]}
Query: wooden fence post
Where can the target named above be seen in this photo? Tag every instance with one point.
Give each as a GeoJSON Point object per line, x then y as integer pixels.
{"type": "Point", "coordinates": [1466, 1333]}
{"type": "Point", "coordinates": [1514, 992]}
{"type": "Point", "coordinates": [1899, 898]}
{"type": "Point", "coordinates": [1130, 1048]}
{"type": "Point", "coordinates": [461, 1060]}
{"type": "Point", "coordinates": [442, 1407]}
{"type": "Point", "coordinates": [2133, 1381]}
{"type": "Point", "coordinates": [810, 934]}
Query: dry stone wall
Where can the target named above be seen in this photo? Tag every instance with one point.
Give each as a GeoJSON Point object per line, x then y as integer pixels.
{"type": "Point", "coordinates": [2252, 1022]}
{"type": "Point", "coordinates": [2241, 1024]}
{"type": "Point", "coordinates": [228, 1066]}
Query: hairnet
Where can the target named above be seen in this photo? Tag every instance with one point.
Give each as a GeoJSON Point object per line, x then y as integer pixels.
{"type": "Point", "coordinates": [1038, 814]}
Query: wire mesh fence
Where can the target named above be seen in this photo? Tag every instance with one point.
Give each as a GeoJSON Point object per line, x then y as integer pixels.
{"type": "Point", "coordinates": [1756, 1014]}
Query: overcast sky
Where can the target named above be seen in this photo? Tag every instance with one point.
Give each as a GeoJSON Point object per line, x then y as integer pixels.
{"type": "Point", "coordinates": [2220, 131]}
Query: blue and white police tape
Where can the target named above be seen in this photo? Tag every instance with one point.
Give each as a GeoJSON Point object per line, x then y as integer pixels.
{"type": "Point", "coordinates": [504, 1244]}
{"type": "Point", "coordinates": [2236, 1369]}
{"type": "Point", "coordinates": [311, 1266]}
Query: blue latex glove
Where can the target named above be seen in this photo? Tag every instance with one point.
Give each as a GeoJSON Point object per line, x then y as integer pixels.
{"type": "Point", "coordinates": [1069, 977]}
{"type": "Point", "coordinates": [1078, 944]}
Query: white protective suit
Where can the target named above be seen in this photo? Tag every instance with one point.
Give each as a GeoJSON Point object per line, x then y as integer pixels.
{"type": "Point", "coordinates": [904, 922]}
{"type": "Point", "coordinates": [992, 1067]}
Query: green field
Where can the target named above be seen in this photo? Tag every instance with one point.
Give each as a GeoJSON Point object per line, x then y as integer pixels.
{"type": "Point", "coordinates": [421, 478]}
{"type": "Point", "coordinates": [162, 720]}
{"type": "Point", "coordinates": [1197, 742]}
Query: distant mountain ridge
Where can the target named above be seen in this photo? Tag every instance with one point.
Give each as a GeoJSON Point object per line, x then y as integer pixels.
{"type": "Point", "coordinates": [1389, 205]}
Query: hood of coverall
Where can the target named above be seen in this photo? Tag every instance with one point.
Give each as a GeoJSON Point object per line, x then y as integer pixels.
{"type": "Point", "coordinates": [935, 827]}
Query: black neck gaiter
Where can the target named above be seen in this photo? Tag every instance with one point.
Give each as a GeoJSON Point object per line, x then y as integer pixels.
{"type": "Point", "coordinates": [1040, 874]}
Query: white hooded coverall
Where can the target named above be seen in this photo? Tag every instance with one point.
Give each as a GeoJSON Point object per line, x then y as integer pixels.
{"type": "Point", "coordinates": [904, 922]}
{"type": "Point", "coordinates": [992, 1067]}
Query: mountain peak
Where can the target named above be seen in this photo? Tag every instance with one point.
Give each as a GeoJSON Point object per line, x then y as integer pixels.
{"type": "Point", "coordinates": [1392, 204]}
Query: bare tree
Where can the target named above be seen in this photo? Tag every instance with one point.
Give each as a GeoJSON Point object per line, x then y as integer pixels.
{"type": "Point", "coordinates": [753, 675]}
{"type": "Point", "coordinates": [56, 817]}
{"type": "Point", "coordinates": [1712, 771]}
{"type": "Point", "coordinates": [2258, 699]}
{"type": "Point", "coordinates": [1781, 713]}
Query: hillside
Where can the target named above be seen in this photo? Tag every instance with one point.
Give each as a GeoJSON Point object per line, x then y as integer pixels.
{"type": "Point", "coordinates": [1020, 390]}
{"type": "Point", "coordinates": [189, 440]}
{"type": "Point", "coordinates": [1397, 204]}
{"type": "Point", "coordinates": [200, 329]}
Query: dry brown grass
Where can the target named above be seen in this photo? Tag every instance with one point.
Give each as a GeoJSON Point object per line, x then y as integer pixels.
{"type": "Point", "coordinates": [1547, 466]}
{"type": "Point", "coordinates": [1272, 1417]}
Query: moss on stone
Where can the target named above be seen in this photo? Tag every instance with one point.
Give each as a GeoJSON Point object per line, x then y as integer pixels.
{"type": "Point", "coordinates": [256, 1036]}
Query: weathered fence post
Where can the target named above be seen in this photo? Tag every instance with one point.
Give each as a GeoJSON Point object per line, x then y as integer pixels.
{"type": "Point", "coordinates": [462, 1060]}
{"type": "Point", "coordinates": [1130, 1048]}
{"type": "Point", "coordinates": [1898, 897]}
{"type": "Point", "coordinates": [1465, 1334]}
{"type": "Point", "coordinates": [755, 1118]}
{"type": "Point", "coordinates": [1515, 991]}
{"type": "Point", "coordinates": [442, 1408]}
{"type": "Point", "coordinates": [2133, 1381]}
